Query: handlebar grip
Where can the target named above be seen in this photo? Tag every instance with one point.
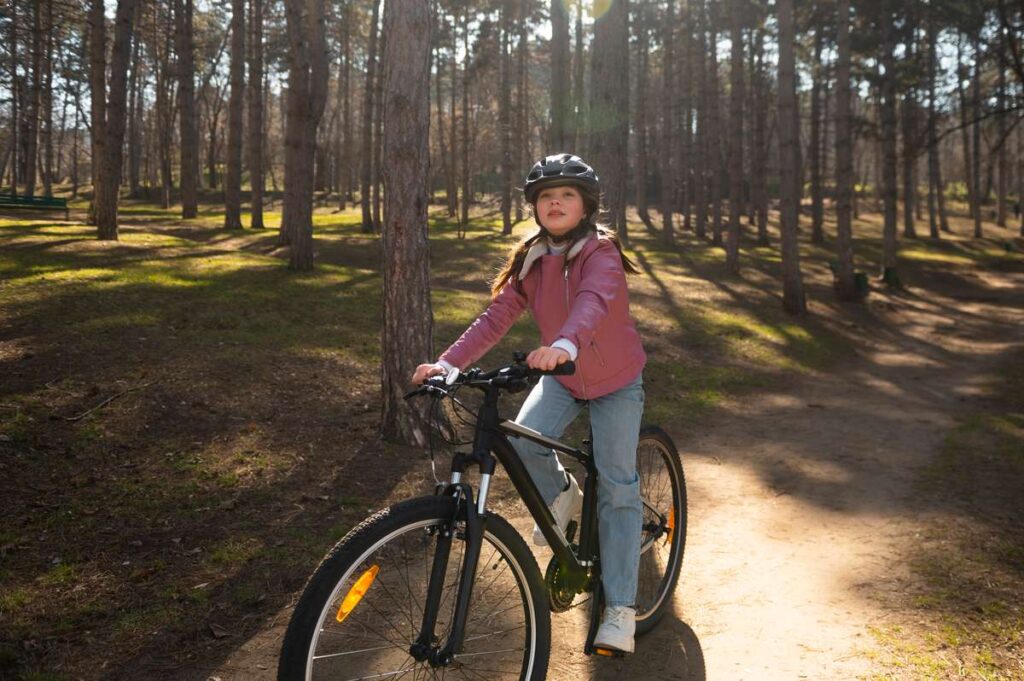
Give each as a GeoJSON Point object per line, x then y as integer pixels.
{"type": "Point", "coordinates": [563, 369]}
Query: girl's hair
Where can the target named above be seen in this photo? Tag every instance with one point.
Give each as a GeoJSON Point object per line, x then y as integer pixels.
{"type": "Point", "coordinates": [517, 254]}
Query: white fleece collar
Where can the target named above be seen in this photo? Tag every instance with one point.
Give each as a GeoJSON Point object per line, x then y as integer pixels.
{"type": "Point", "coordinates": [540, 248]}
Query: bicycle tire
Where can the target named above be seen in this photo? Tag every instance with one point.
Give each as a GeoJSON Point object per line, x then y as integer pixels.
{"type": "Point", "coordinates": [663, 486]}
{"type": "Point", "coordinates": [315, 646]}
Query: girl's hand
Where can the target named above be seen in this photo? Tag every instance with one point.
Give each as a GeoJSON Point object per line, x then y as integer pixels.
{"type": "Point", "coordinates": [425, 371]}
{"type": "Point", "coordinates": [546, 358]}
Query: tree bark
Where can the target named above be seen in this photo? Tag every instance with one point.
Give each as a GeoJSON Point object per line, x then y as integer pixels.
{"type": "Point", "coordinates": [407, 334]}
{"type": "Point", "coordinates": [700, 170]}
{"type": "Point", "coordinates": [256, 178]}
{"type": "Point", "coordinates": [793, 300]}
{"type": "Point", "coordinates": [34, 98]}
{"type": "Point", "coordinates": [1002, 162]}
{"type": "Point", "coordinates": [888, 121]}
{"type": "Point", "coordinates": [976, 142]}
{"type": "Point", "coordinates": [366, 174]}
{"type": "Point", "coordinates": [378, 139]}
{"type": "Point", "coordinates": [306, 96]}
{"type": "Point", "coordinates": [909, 134]}
{"type": "Point", "coordinates": [847, 289]}
{"type": "Point", "coordinates": [453, 179]}
{"type": "Point", "coordinates": [46, 131]}
{"type": "Point", "coordinates": [522, 119]}
{"type": "Point", "coordinates": [609, 109]}
{"type": "Point", "coordinates": [346, 116]}
{"type": "Point", "coordinates": [936, 200]}
{"type": "Point", "coordinates": [236, 101]}
{"type": "Point", "coordinates": [666, 168]}
{"type": "Point", "coordinates": [760, 143]}
{"type": "Point", "coordinates": [579, 103]}
{"type": "Point", "coordinates": [135, 108]}
{"type": "Point", "coordinates": [109, 113]}
{"type": "Point", "coordinates": [559, 139]}
{"type": "Point", "coordinates": [715, 132]}
{"type": "Point", "coordinates": [189, 131]}
{"type": "Point", "coordinates": [464, 214]}
{"type": "Point", "coordinates": [815, 147]}
{"type": "Point", "coordinates": [505, 118]}
{"type": "Point", "coordinates": [732, 246]}
{"type": "Point", "coordinates": [640, 124]}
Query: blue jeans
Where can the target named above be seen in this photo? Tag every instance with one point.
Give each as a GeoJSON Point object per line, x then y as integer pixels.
{"type": "Point", "coordinates": [615, 421]}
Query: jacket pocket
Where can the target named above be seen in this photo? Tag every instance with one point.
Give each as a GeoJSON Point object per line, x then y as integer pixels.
{"type": "Point", "coordinates": [593, 344]}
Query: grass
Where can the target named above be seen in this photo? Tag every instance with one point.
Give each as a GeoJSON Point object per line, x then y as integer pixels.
{"type": "Point", "coordinates": [967, 570]}
{"type": "Point", "coordinates": [246, 402]}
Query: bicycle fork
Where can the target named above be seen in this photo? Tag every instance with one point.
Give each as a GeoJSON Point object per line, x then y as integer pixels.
{"type": "Point", "coordinates": [424, 649]}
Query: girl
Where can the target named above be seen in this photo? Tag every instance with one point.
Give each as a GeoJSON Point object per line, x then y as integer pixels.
{"type": "Point", "coordinates": [571, 275]}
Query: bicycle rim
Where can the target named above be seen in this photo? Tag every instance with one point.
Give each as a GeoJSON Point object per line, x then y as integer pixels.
{"type": "Point", "coordinates": [663, 494]}
{"type": "Point", "coordinates": [373, 640]}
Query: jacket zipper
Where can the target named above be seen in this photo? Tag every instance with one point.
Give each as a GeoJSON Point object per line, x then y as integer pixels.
{"type": "Point", "coordinates": [567, 310]}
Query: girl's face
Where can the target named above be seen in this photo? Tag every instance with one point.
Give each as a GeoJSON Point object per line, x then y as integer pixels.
{"type": "Point", "coordinates": [560, 209]}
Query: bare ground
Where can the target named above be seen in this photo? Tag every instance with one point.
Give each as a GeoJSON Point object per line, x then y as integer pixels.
{"type": "Point", "coordinates": [802, 500]}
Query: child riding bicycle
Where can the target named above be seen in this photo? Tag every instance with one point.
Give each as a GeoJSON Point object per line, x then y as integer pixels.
{"type": "Point", "coordinates": [571, 274]}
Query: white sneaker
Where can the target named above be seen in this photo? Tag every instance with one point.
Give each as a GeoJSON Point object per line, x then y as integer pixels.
{"type": "Point", "coordinates": [566, 505]}
{"type": "Point", "coordinates": [618, 626]}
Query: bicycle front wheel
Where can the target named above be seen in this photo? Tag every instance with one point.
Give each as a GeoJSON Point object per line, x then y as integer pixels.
{"type": "Point", "coordinates": [663, 492]}
{"type": "Point", "coordinates": [362, 609]}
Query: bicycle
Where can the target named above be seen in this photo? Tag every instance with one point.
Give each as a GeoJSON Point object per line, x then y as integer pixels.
{"type": "Point", "coordinates": [440, 585]}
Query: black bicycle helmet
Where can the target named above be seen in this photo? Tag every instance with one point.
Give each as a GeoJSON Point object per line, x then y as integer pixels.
{"type": "Point", "coordinates": [562, 169]}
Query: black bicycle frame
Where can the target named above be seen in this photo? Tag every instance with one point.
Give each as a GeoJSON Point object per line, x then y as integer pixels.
{"type": "Point", "coordinates": [490, 445]}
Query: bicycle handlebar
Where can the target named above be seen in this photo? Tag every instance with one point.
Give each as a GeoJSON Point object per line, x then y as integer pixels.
{"type": "Point", "coordinates": [512, 377]}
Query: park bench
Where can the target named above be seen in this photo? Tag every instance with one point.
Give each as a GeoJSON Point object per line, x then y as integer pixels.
{"type": "Point", "coordinates": [9, 202]}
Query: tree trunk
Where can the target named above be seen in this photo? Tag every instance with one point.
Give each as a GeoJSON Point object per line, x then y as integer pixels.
{"type": "Point", "coordinates": [236, 101]}
{"type": "Point", "coordinates": [935, 198]}
{"type": "Point", "coordinates": [965, 134]}
{"type": "Point", "coordinates": [732, 246]}
{"type": "Point", "coordinates": [1002, 162]}
{"type": "Point", "coordinates": [844, 158]}
{"type": "Point", "coordinates": [366, 175]}
{"type": "Point", "coordinates": [407, 334]}
{"type": "Point", "coordinates": [46, 132]}
{"type": "Point", "coordinates": [715, 133]}
{"type": "Point", "coordinates": [640, 124]}
{"type": "Point", "coordinates": [815, 147]}
{"type": "Point", "coordinates": [609, 109]}
{"type": "Point", "coordinates": [666, 169]}
{"type": "Point", "coordinates": [378, 139]}
{"type": "Point", "coordinates": [579, 103]}
{"type": "Point", "coordinates": [164, 108]}
{"type": "Point", "coordinates": [559, 140]}
{"type": "Point", "coordinates": [112, 111]}
{"type": "Point", "coordinates": [793, 300]}
{"type": "Point", "coordinates": [976, 130]}
{"type": "Point", "coordinates": [505, 118]}
{"type": "Point", "coordinates": [15, 122]}
{"type": "Point", "coordinates": [888, 120]}
{"type": "Point", "coordinates": [183, 11]}
{"type": "Point", "coordinates": [453, 179]}
{"type": "Point", "coordinates": [522, 120]}
{"type": "Point", "coordinates": [760, 144]}
{"type": "Point", "coordinates": [306, 96]}
{"type": "Point", "coordinates": [346, 116]}
{"type": "Point", "coordinates": [700, 168]}
{"type": "Point", "coordinates": [464, 215]}
{"type": "Point", "coordinates": [256, 179]}
{"type": "Point", "coordinates": [909, 133]}
{"type": "Point", "coordinates": [34, 98]}
{"type": "Point", "coordinates": [135, 107]}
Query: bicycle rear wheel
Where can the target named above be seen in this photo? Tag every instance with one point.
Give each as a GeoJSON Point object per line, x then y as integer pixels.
{"type": "Point", "coordinates": [363, 607]}
{"type": "Point", "coordinates": [663, 491]}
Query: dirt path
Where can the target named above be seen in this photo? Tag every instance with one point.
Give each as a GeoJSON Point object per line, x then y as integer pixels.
{"type": "Point", "coordinates": [799, 501]}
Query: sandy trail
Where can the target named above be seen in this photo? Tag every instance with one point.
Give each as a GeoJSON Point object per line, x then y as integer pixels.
{"type": "Point", "coordinates": [799, 501]}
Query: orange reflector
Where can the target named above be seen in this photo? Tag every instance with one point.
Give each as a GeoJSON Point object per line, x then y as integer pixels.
{"type": "Point", "coordinates": [356, 593]}
{"type": "Point", "coordinates": [671, 524]}
{"type": "Point", "coordinates": [602, 651]}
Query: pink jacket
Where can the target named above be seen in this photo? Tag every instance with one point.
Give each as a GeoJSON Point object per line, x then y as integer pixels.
{"type": "Point", "coordinates": [581, 296]}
